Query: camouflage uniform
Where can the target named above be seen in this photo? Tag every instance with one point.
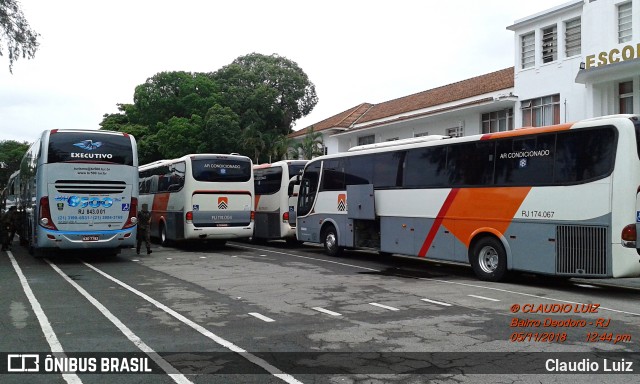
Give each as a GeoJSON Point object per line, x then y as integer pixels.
{"type": "Point", "coordinates": [144, 221]}
{"type": "Point", "coordinates": [15, 220]}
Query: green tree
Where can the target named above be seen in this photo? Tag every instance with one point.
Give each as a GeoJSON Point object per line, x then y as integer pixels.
{"type": "Point", "coordinates": [179, 136]}
{"type": "Point", "coordinates": [172, 94]}
{"type": "Point", "coordinates": [274, 88]}
{"type": "Point", "coordinates": [311, 145]}
{"type": "Point", "coordinates": [15, 33]}
{"type": "Point", "coordinates": [11, 153]}
{"type": "Point", "coordinates": [253, 142]}
{"type": "Point", "coordinates": [221, 132]}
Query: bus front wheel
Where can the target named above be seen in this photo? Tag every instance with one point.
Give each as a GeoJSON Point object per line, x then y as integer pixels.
{"type": "Point", "coordinates": [489, 259]}
{"type": "Point", "coordinates": [330, 241]}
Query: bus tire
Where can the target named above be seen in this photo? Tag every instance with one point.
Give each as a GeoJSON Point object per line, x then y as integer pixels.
{"type": "Point", "coordinates": [489, 259]}
{"type": "Point", "coordinates": [330, 241]}
{"type": "Point", "coordinates": [164, 240]}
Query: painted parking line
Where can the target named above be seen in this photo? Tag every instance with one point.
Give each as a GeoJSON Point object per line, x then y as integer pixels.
{"type": "Point", "coordinates": [203, 331]}
{"type": "Point", "coordinates": [328, 312]}
{"type": "Point", "coordinates": [384, 306]}
{"type": "Point", "coordinates": [483, 298]}
{"type": "Point", "coordinates": [261, 317]}
{"type": "Point", "coordinates": [45, 325]}
{"type": "Point", "coordinates": [436, 302]}
{"type": "Point", "coordinates": [137, 341]}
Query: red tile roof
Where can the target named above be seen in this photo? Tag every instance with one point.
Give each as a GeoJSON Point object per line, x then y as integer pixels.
{"type": "Point", "coordinates": [342, 120]}
{"type": "Point", "coordinates": [476, 86]}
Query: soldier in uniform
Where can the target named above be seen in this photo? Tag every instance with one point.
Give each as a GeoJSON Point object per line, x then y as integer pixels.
{"type": "Point", "coordinates": [144, 221]}
{"type": "Point", "coordinates": [14, 223]}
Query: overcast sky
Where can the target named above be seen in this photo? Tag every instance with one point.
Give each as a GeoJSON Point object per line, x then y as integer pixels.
{"type": "Point", "coordinates": [93, 54]}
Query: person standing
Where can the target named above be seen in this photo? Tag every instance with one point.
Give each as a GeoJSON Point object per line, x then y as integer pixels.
{"type": "Point", "coordinates": [8, 228]}
{"type": "Point", "coordinates": [4, 229]}
{"type": "Point", "coordinates": [144, 222]}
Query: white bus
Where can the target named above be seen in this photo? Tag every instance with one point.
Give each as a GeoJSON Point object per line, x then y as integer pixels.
{"type": "Point", "coordinates": [78, 190]}
{"type": "Point", "coordinates": [199, 197]}
{"type": "Point", "coordinates": [557, 200]}
{"type": "Point", "coordinates": [276, 199]}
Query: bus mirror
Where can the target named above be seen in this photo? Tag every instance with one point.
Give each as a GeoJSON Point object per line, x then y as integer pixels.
{"type": "Point", "coordinates": [290, 189]}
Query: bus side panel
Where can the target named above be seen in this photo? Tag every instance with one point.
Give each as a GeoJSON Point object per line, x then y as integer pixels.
{"type": "Point", "coordinates": [533, 246]}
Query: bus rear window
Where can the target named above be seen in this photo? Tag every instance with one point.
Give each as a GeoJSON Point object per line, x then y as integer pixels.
{"type": "Point", "coordinates": [88, 147]}
{"type": "Point", "coordinates": [268, 180]}
{"type": "Point", "coordinates": [217, 170]}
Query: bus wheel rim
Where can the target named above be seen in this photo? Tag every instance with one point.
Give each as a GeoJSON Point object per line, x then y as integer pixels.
{"type": "Point", "coordinates": [331, 240]}
{"type": "Point", "coordinates": [488, 259]}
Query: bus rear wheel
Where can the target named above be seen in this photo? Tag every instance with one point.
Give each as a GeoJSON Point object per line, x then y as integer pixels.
{"type": "Point", "coordinates": [164, 241]}
{"type": "Point", "coordinates": [330, 241]}
{"type": "Point", "coordinates": [489, 259]}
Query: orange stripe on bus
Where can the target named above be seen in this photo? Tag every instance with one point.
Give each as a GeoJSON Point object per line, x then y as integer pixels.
{"type": "Point", "coordinates": [489, 208]}
{"type": "Point", "coordinates": [527, 131]}
{"type": "Point", "coordinates": [160, 202]}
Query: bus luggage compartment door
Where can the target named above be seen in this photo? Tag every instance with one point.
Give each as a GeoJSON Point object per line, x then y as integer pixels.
{"type": "Point", "coordinates": [361, 202]}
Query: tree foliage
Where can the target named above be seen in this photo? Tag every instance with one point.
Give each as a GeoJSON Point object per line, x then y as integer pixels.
{"type": "Point", "coordinates": [248, 106]}
{"type": "Point", "coordinates": [15, 33]}
{"type": "Point", "coordinates": [11, 153]}
{"type": "Point", "coordinates": [311, 145]}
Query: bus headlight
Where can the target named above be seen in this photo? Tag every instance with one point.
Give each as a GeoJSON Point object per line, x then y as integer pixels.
{"type": "Point", "coordinates": [629, 236]}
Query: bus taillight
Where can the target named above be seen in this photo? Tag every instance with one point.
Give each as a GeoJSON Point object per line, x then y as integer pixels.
{"type": "Point", "coordinates": [253, 215]}
{"type": "Point", "coordinates": [133, 210]}
{"type": "Point", "coordinates": [44, 216]}
{"type": "Point", "coordinates": [629, 236]}
{"type": "Point", "coordinates": [189, 217]}
{"type": "Point", "coordinates": [285, 217]}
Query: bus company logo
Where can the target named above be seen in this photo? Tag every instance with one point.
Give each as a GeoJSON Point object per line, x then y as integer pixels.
{"type": "Point", "coordinates": [89, 145]}
{"type": "Point", "coordinates": [60, 206]}
{"type": "Point", "coordinates": [223, 202]}
{"type": "Point", "coordinates": [342, 202]}
{"type": "Point", "coordinates": [93, 202]}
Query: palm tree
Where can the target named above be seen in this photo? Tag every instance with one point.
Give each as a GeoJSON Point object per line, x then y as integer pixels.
{"type": "Point", "coordinates": [311, 145]}
{"type": "Point", "coordinates": [253, 141]}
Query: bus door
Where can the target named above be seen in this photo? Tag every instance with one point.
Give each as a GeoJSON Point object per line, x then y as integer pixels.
{"type": "Point", "coordinates": [292, 200]}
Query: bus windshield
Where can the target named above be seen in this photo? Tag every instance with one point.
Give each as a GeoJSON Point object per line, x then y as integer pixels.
{"type": "Point", "coordinates": [87, 147]}
{"type": "Point", "coordinates": [221, 170]}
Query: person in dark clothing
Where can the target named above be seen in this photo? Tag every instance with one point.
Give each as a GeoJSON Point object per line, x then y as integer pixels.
{"type": "Point", "coordinates": [144, 221]}
{"type": "Point", "coordinates": [4, 230]}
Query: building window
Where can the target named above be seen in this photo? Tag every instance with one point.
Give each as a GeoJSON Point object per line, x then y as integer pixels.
{"type": "Point", "coordinates": [541, 111]}
{"type": "Point", "coordinates": [624, 22]}
{"type": "Point", "coordinates": [364, 140]}
{"type": "Point", "coordinates": [528, 48]}
{"type": "Point", "coordinates": [549, 44]}
{"type": "Point", "coordinates": [393, 139]}
{"type": "Point", "coordinates": [498, 121]}
{"type": "Point", "coordinates": [572, 37]}
{"type": "Point", "coordinates": [625, 95]}
{"type": "Point", "coordinates": [421, 134]}
{"type": "Point", "coordinates": [455, 131]}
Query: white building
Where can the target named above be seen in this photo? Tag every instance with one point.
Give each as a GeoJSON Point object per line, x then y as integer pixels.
{"type": "Point", "coordinates": [578, 60]}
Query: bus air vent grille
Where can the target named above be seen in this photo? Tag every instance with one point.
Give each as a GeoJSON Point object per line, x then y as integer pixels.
{"type": "Point", "coordinates": [581, 250]}
{"type": "Point", "coordinates": [90, 186]}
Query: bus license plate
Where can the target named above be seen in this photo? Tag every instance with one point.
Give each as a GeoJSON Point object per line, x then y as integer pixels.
{"type": "Point", "coordinates": [90, 238]}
